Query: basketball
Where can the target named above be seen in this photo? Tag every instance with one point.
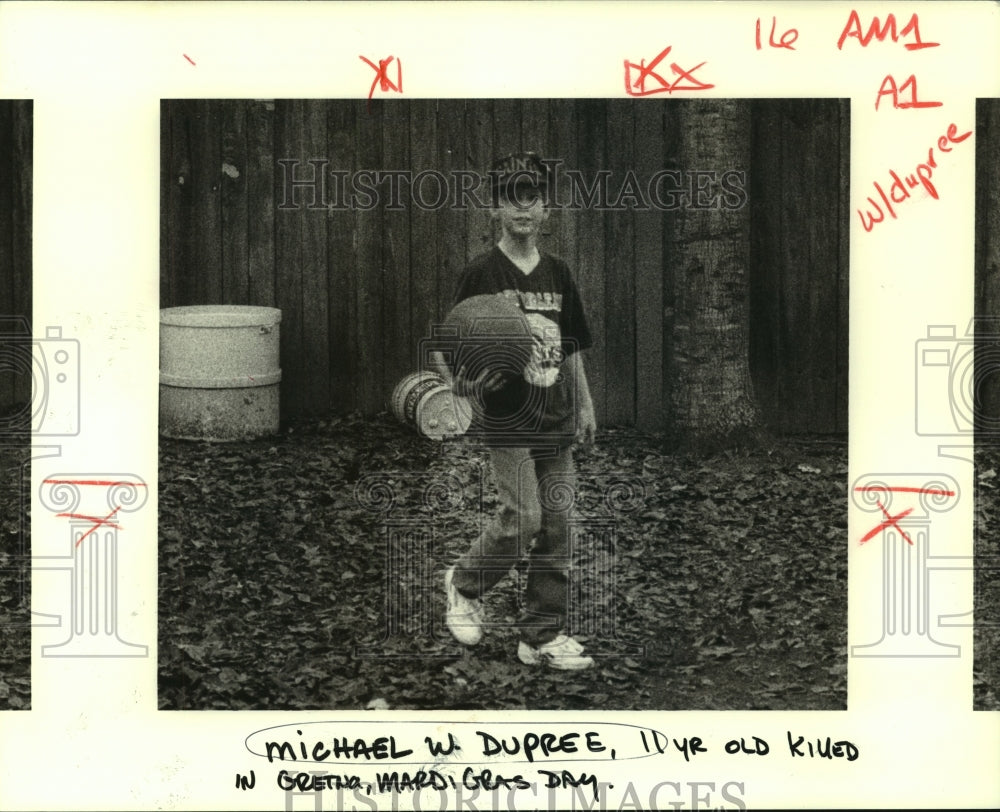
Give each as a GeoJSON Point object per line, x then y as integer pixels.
{"type": "Point", "coordinates": [489, 333]}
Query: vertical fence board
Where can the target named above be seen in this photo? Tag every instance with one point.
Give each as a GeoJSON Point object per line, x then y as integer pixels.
{"type": "Point", "coordinates": [619, 269]}
{"type": "Point", "coordinates": [370, 322]}
{"type": "Point", "coordinates": [815, 268]}
{"type": "Point", "coordinates": [168, 204]}
{"type": "Point", "coordinates": [987, 255]}
{"type": "Point", "coordinates": [23, 124]}
{"type": "Point", "coordinates": [342, 258]}
{"type": "Point", "coordinates": [648, 300]}
{"type": "Point", "coordinates": [262, 176]}
{"type": "Point", "coordinates": [400, 267]}
{"type": "Point", "coordinates": [184, 198]}
{"type": "Point", "coordinates": [8, 261]}
{"type": "Point", "coordinates": [590, 256]}
{"type": "Point", "coordinates": [842, 350]}
{"type": "Point", "coordinates": [798, 262]}
{"type": "Point", "coordinates": [671, 162]}
{"type": "Point", "coordinates": [562, 135]}
{"type": "Point", "coordinates": [769, 335]}
{"type": "Point", "coordinates": [506, 127]}
{"type": "Point", "coordinates": [206, 170]}
{"type": "Point", "coordinates": [479, 226]}
{"type": "Point", "coordinates": [811, 272]}
{"type": "Point", "coordinates": [314, 270]}
{"type": "Point", "coordinates": [288, 257]}
{"type": "Point", "coordinates": [452, 221]}
{"type": "Point", "coordinates": [233, 180]}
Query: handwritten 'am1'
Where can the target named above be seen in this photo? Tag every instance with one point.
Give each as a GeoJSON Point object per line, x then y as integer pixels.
{"type": "Point", "coordinates": [878, 31]}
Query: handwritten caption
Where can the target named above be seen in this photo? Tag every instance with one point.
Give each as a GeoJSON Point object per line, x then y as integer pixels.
{"type": "Point", "coordinates": [478, 757]}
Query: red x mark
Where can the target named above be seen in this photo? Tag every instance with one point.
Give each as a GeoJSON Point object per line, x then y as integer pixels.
{"type": "Point", "coordinates": [382, 77]}
{"type": "Point", "coordinates": [98, 522]}
{"type": "Point", "coordinates": [893, 521]}
{"type": "Point", "coordinates": [638, 87]}
{"type": "Point", "coordinates": [890, 521]}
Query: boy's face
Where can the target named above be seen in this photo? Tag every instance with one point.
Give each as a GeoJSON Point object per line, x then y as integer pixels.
{"type": "Point", "coordinates": [521, 212]}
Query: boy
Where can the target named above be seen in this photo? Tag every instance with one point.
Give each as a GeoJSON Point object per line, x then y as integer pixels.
{"type": "Point", "coordinates": [529, 424]}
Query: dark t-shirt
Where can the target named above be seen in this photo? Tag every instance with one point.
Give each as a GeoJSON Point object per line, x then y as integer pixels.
{"type": "Point", "coordinates": [538, 406]}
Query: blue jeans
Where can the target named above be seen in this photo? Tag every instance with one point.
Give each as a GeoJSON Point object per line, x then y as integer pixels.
{"type": "Point", "coordinates": [535, 487]}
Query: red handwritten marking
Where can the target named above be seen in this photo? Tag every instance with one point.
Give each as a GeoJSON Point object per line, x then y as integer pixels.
{"type": "Point", "coordinates": [899, 192]}
{"type": "Point", "coordinates": [98, 522]}
{"type": "Point", "coordinates": [890, 521]}
{"type": "Point", "coordinates": [97, 519]}
{"type": "Point", "coordinates": [107, 483]}
{"type": "Point", "coordinates": [381, 79]}
{"type": "Point", "coordinates": [189, 59]}
{"type": "Point", "coordinates": [638, 87]}
{"type": "Point", "coordinates": [893, 521]}
{"type": "Point", "coordinates": [887, 489]}
{"type": "Point", "coordinates": [787, 38]}
{"type": "Point", "coordinates": [853, 29]}
{"type": "Point", "coordinates": [889, 88]}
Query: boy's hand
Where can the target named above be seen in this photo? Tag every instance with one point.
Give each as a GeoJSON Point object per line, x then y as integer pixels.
{"type": "Point", "coordinates": [483, 384]}
{"type": "Point", "coordinates": [586, 425]}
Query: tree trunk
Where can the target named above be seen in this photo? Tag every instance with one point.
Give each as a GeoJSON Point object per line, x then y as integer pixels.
{"type": "Point", "coordinates": [710, 398]}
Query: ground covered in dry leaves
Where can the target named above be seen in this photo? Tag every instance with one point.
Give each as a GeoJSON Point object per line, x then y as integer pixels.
{"type": "Point", "coordinates": [986, 663]}
{"type": "Point", "coordinates": [15, 581]}
{"type": "Point", "coordinates": [304, 571]}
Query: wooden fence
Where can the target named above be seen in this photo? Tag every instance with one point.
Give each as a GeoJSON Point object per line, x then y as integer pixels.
{"type": "Point", "coordinates": [987, 248]}
{"type": "Point", "coordinates": [15, 250]}
{"type": "Point", "coordinates": [359, 288]}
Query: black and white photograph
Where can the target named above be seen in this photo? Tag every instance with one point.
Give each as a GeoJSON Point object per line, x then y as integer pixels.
{"type": "Point", "coordinates": [632, 492]}
{"type": "Point", "coordinates": [981, 392]}
{"type": "Point", "coordinates": [392, 418]}
{"type": "Point", "coordinates": [23, 390]}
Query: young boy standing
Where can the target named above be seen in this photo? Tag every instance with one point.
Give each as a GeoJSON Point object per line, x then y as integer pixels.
{"type": "Point", "coordinates": [529, 424]}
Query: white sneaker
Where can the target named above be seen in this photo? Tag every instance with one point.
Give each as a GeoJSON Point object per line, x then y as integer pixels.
{"type": "Point", "coordinates": [464, 617]}
{"type": "Point", "coordinates": [562, 653]}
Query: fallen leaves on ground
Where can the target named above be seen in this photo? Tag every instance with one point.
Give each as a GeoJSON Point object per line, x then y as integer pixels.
{"type": "Point", "coordinates": [986, 660]}
{"type": "Point", "coordinates": [15, 580]}
{"type": "Point", "coordinates": [304, 571]}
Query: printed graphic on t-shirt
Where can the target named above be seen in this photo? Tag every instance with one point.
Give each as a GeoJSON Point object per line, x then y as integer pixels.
{"type": "Point", "coordinates": [532, 300]}
{"type": "Point", "coordinates": [546, 354]}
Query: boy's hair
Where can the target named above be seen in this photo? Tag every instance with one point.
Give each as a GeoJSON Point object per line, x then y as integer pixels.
{"type": "Point", "coordinates": [522, 171]}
